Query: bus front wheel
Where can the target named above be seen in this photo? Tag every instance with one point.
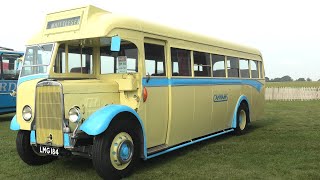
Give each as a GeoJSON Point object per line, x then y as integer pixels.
{"type": "Point", "coordinates": [242, 119]}
{"type": "Point", "coordinates": [27, 152]}
{"type": "Point", "coordinates": [115, 152]}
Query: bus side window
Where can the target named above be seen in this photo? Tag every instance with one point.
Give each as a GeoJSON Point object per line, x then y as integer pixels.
{"type": "Point", "coordinates": [244, 68]}
{"type": "Point", "coordinates": [10, 71]}
{"type": "Point", "coordinates": [131, 52]}
{"type": "Point", "coordinates": [109, 61]}
{"type": "Point", "coordinates": [154, 60]}
{"type": "Point", "coordinates": [106, 64]}
{"type": "Point", "coordinates": [233, 66]}
{"type": "Point", "coordinates": [181, 62]}
{"type": "Point", "coordinates": [201, 65]}
{"type": "Point", "coordinates": [254, 69]}
{"type": "Point", "coordinates": [218, 65]}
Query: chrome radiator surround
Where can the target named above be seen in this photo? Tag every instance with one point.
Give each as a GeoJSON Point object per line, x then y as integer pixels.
{"type": "Point", "coordinates": [49, 114]}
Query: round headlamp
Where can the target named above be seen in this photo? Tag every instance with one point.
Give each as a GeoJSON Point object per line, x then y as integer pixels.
{"type": "Point", "coordinates": [74, 114]}
{"type": "Point", "coordinates": [26, 113]}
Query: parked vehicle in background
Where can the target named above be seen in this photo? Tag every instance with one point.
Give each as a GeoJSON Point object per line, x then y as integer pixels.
{"type": "Point", "coordinates": [116, 89]}
{"type": "Point", "coordinates": [10, 61]}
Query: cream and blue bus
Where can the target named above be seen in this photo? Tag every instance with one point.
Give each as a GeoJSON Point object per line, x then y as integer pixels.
{"type": "Point", "coordinates": [116, 89]}
{"type": "Point", "coordinates": [10, 61]}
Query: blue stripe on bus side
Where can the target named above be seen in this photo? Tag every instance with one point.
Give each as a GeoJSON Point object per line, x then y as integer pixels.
{"type": "Point", "coordinates": [32, 77]}
{"type": "Point", "coordinates": [159, 82]}
{"type": "Point", "coordinates": [188, 143]}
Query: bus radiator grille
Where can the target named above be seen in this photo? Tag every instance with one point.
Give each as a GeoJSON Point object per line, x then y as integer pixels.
{"type": "Point", "coordinates": [49, 115]}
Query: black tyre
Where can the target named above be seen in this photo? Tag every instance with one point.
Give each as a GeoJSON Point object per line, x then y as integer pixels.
{"type": "Point", "coordinates": [26, 151]}
{"type": "Point", "coordinates": [116, 151]}
{"type": "Point", "coordinates": [243, 119]}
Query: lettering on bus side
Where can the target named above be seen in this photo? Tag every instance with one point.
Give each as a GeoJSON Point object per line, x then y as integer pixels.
{"type": "Point", "coordinates": [7, 87]}
{"type": "Point", "coordinates": [220, 97]}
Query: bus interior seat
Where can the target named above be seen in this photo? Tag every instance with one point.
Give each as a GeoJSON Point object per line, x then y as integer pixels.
{"type": "Point", "coordinates": [219, 73]}
{"type": "Point", "coordinates": [244, 73]}
{"type": "Point", "coordinates": [78, 70]}
{"type": "Point", "coordinates": [159, 74]}
{"type": "Point", "coordinates": [233, 72]}
{"type": "Point", "coordinates": [254, 73]}
{"type": "Point", "coordinates": [201, 73]}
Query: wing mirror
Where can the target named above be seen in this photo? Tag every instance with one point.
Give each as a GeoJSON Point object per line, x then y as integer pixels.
{"type": "Point", "coordinates": [115, 43]}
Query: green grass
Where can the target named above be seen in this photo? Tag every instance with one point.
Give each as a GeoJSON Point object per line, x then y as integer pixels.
{"type": "Point", "coordinates": [294, 84]}
{"type": "Point", "coordinates": [284, 144]}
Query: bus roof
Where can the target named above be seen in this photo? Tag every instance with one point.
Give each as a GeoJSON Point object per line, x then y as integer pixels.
{"type": "Point", "coordinates": [90, 21]}
{"type": "Point", "coordinates": [2, 51]}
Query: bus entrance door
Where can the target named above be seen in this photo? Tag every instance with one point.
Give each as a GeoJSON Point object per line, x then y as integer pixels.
{"type": "Point", "coordinates": [156, 86]}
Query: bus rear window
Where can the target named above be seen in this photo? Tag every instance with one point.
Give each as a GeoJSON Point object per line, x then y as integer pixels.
{"type": "Point", "coordinates": [254, 69]}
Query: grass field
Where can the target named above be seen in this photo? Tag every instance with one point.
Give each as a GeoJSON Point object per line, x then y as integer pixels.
{"type": "Point", "coordinates": [284, 144]}
{"type": "Point", "coordinates": [294, 84]}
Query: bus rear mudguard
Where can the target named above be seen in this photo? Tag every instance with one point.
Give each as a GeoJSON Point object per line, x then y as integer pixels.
{"type": "Point", "coordinates": [234, 118]}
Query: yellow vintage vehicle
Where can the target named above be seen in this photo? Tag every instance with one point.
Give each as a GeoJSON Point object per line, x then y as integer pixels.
{"type": "Point", "coordinates": [116, 89]}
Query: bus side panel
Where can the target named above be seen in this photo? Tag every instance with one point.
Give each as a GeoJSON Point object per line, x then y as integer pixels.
{"type": "Point", "coordinates": [257, 101]}
{"type": "Point", "coordinates": [219, 107]}
{"type": "Point", "coordinates": [7, 102]}
{"type": "Point", "coordinates": [182, 108]}
{"type": "Point", "coordinates": [234, 92]}
{"type": "Point", "coordinates": [247, 90]}
{"type": "Point", "coordinates": [202, 121]}
{"type": "Point", "coordinates": [156, 121]}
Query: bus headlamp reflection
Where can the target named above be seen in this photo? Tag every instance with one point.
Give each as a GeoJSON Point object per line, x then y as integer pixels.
{"type": "Point", "coordinates": [26, 113]}
{"type": "Point", "coordinates": [74, 114]}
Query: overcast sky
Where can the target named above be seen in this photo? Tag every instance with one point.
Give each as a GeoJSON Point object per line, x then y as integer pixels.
{"type": "Point", "coordinates": [286, 32]}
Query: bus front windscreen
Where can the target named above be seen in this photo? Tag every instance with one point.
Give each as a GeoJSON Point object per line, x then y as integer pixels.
{"type": "Point", "coordinates": [37, 59]}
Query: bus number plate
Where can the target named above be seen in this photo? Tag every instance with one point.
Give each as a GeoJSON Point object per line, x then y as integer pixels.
{"type": "Point", "coordinates": [49, 150]}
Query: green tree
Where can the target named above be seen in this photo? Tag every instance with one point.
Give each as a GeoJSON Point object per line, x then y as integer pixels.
{"type": "Point", "coordinates": [301, 79]}
{"type": "Point", "coordinates": [286, 78]}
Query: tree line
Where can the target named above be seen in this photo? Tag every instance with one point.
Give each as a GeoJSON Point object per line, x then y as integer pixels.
{"type": "Point", "coordinates": [287, 79]}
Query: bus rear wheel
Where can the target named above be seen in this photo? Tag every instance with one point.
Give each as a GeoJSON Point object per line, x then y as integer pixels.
{"type": "Point", "coordinates": [27, 152]}
{"type": "Point", "coordinates": [242, 119]}
{"type": "Point", "coordinates": [115, 152]}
